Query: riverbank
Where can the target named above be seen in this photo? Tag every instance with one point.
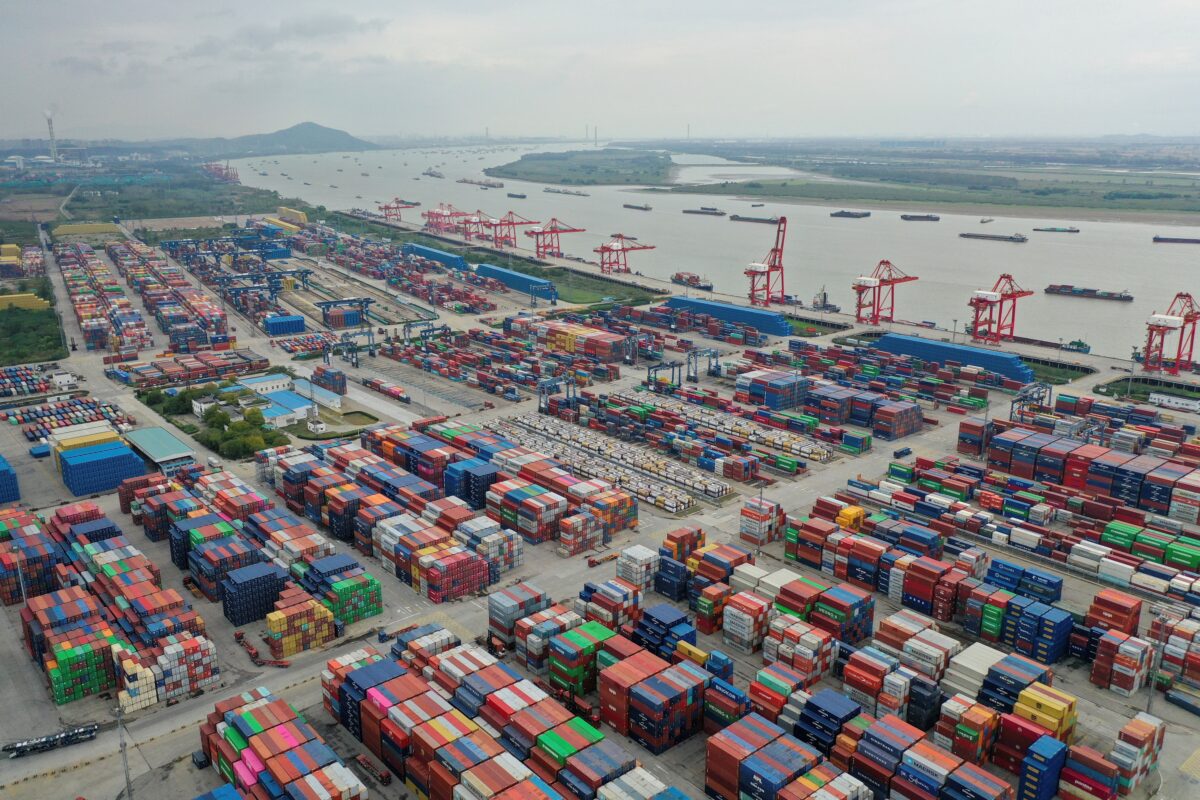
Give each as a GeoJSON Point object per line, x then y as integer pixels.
{"type": "Point", "coordinates": [1032, 213]}
{"type": "Point", "coordinates": [607, 167]}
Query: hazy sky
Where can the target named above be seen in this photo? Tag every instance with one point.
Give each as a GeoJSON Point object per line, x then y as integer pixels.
{"type": "Point", "coordinates": [761, 68]}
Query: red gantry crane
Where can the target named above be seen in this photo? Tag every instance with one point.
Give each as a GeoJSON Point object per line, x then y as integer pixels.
{"type": "Point", "coordinates": [1181, 316]}
{"type": "Point", "coordinates": [614, 254]}
{"type": "Point", "coordinates": [504, 230]}
{"type": "Point", "coordinates": [766, 277]}
{"type": "Point", "coordinates": [545, 237]}
{"type": "Point", "coordinates": [996, 310]}
{"type": "Point", "coordinates": [443, 219]}
{"type": "Point", "coordinates": [391, 211]}
{"type": "Point", "coordinates": [875, 294]}
{"type": "Point", "coordinates": [474, 225]}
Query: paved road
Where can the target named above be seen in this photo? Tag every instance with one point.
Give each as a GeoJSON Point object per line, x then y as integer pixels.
{"type": "Point", "coordinates": [162, 736]}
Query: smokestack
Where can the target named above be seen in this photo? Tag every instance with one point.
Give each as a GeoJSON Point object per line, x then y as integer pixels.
{"type": "Point", "coordinates": [49, 113]}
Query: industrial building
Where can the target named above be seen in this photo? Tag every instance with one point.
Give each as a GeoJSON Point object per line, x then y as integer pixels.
{"type": "Point", "coordinates": [161, 449]}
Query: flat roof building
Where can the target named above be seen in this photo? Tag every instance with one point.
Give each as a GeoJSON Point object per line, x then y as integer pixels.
{"type": "Point", "coordinates": [161, 448]}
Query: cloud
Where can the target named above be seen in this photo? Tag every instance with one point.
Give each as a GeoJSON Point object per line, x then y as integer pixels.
{"type": "Point", "coordinates": [1168, 59]}
{"type": "Point", "coordinates": [85, 65]}
{"type": "Point", "coordinates": [251, 42]}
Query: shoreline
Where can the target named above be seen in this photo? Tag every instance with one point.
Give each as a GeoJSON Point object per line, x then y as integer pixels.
{"type": "Point", "coordinates": [1039, 213]}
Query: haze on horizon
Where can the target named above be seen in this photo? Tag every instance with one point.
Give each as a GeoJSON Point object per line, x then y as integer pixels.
{"type": "Point", "coordinates": [895, 68]}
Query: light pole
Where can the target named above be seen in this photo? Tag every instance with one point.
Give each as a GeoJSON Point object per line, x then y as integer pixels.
{"type": "Point", "coordinates": [954, 333]}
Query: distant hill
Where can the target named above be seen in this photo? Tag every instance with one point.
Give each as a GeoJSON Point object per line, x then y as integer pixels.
{"type": "Point", "coordinates": [307, 137]}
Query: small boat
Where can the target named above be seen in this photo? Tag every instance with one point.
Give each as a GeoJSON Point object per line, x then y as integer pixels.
{"type": "Point", "coordinates": [623, 236]}
{"type": "Point", "coordinates": [331, 186]}
{"type": "Point", "coordinates": [517, 195]}
{"type": "Point", "coordinates": [920, 217]}
{"type": "Point", "coordinates": [757, 205]}
{"type": "Point", "coordinates": [306, 183]}
{"type": "Point", "coordinates": [986, 220]}
{"type": "Point", "coordinates": [1071, 229]}
{"type": "Point", "coordinates": [637, 207]}
{"type": "Point", "coordinates": [708, 211]}
{"type": "Point", "coordinates": [843, 214]}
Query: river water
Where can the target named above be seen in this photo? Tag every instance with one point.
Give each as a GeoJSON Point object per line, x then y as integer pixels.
{"type": "Point", "coordinates": [820, 251]}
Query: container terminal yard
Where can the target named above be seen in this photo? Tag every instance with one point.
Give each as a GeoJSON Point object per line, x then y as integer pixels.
{"type": "Point", "coordinates": [523, 548]}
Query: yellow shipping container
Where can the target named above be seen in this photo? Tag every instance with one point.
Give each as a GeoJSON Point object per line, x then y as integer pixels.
{"type": "Point", "coordinates": [85, 228]}
{"type": "Point", "coordinates": [292, 215]}
{"type": "Point", "coordinates": [26, 300]}
{"type": "Point", "coordinates": [1049, 701]}
{"type": "Point", "coordinates": [692, 653]}
{"type": "Point", "coordinates": [287, 226]}
{"type": "Point", "coordinates": [87, 440]}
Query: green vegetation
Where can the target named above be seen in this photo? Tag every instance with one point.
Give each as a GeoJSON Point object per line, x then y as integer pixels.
{"type": "Point", "coordinates": [1152, 177]}
{"type": "Point", "coordinates": [573, 287]}
{"type": "Point", "coordinates": [154, 237]}
{"type": "Point", "coordinates": [1138, 388]}
{"type": "Point", "coordinates": [811, 327]}
{"type": "Point", "coordinates": [181, 192]}
{"type": "Point", "coordinates": [590, 168]}
{"type": "Point", "coordinates": [30, 336]}
{"type": "Point", "coordinates": [1050, 191]}
{"type": "Point", "coordinates": [16, 232]}
{"type": "Point", "coordinates": [359, 418]}
{"type": "Point", "coordinates": [1056, 372]}
{"type": "Point", "coordinates": [220, 434]}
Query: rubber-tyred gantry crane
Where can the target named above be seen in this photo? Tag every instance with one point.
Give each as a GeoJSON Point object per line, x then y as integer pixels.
{"type": "Point", "coordinates": [545, 237]}
{"type": "Point", "coordinates": [996, 310]}
{"type": "Point", "coordinates": [1181, 317]}
{"type": "Point", "coordinates": [875, 294]}
{"type": "Point", "coordinates": [504, 230]}
{"type": "Point", "coordinates": [443, 219]}
{"type": "Point", "coordinates": [391, 211]}
{"type": "Point", "coordinates": [766, 277]}
{"type": "Point", "coordinates": [614, 254]}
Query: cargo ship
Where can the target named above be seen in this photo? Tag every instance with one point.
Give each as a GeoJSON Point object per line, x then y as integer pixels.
{"type": "Point", "coordinates": [995, 237]}
{"type": "Point", "coordinates": [484, 182]}
{"type": "Point", "coordinates": [517, 195]}
{"type": "Point", "coordinates": [1071, 229]}
{"type": "Point", "coordinates": [843, 214]}
{"type": "Point", "coordinates": [1068, 290]}
{"type": "Point", "coordinates": [708, 211]}
{"type": "Point", "coordinates": [767, 220]}
{"type": "Point", "coordinates": [637, 207]}
{"type": "Point", "coordinates": [920, 217]}
{"type": "Point", "coordinates": [432, 173]}
{"type": "Point", "coordinates": [820, 302]}
{"type": "Point", "coordinates": [1175, 240]}
{"type": "Point", "coordinates": [692, 281]}
{"type": "Point", "coordinates": [572, 192]}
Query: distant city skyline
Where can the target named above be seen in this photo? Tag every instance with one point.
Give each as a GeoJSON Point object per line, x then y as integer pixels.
{"type": "Point", "coordinates": [902, 68]}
